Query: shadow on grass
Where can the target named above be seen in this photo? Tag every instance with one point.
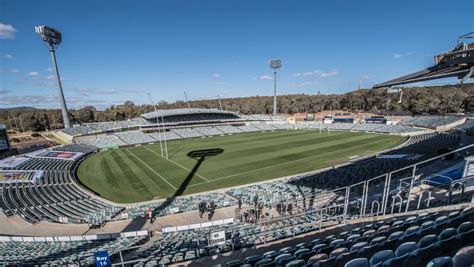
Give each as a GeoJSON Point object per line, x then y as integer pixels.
{"type": "Point", "coordinates": [200, 156]}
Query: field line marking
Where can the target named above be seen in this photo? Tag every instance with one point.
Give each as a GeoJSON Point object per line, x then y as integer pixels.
{"type": "Point", "coordinates": [146, 165]}
{"type": "Point", "coordinates": [174, 162]}
{"type": "Point", "coordinates": [284, 163]}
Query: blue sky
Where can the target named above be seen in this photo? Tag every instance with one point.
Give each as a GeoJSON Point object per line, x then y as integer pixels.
{"type": "Point", "coordinates": [114, 51]}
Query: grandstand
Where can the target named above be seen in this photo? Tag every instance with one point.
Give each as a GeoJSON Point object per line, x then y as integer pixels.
{"type": "Point", "coordinates": [212, 187]}
{"type": "Point", "coordinates": [318, 200]}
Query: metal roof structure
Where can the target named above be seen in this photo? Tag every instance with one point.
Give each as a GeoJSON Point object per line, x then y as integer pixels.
{"type": "Point", "coordinates": [456, 63]}
{"type": "Point", "coordinates": [183, 111]}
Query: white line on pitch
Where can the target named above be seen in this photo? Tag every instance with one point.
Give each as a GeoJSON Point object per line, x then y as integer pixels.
{"type": "Point", "coordinates": [284, 163]}
{"type": "Point", "coordinates": [176, 163]}
{"type": "Point", "coordinates": [146, 165]}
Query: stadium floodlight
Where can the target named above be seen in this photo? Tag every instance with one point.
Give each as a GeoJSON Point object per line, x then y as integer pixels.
{"type": "Point", "coordinates": [53, 38]}
{"type": "Point", "coordinates": [275, 64]}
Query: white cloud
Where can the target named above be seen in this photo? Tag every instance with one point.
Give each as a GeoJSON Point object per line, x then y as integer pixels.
{"type": "Point", "coordinates": [11, 70]}
{"type": "Point", "coordinates": [33, 73]}
{"type": "Point", "coordinates": [317, 73]}
{"type": "Point", "coordinates": [266, 77]}
{"type": "Point", "coordinates": [364, 77]}
{"type": "Point", "coordinates": [328, 74]}
{"type": "Point", "coordinates": [7, 31]}
{"type": "Point", "coordinates": [403, 55]}
{"type": "Point", "coordinates": [216, 75]}
{"type": "Point", "coordinates": [49, 69]}
{"type": "Point", "coordinates": [7, 56]}
{"type": "Point", "coordinates": [50, 77]}
{"type": "Point", "coordinates": [303, 84]}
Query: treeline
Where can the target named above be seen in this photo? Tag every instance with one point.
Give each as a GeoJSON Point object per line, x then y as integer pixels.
{"type": "Point", "coordinates": [415, 100]}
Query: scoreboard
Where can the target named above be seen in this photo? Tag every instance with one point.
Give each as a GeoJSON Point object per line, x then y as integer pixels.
{"type": "Point", "coordinates": [4, 144]}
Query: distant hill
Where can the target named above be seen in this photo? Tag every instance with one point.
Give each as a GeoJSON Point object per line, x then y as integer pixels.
{"type": "Point", "coordinates": [18, 109]}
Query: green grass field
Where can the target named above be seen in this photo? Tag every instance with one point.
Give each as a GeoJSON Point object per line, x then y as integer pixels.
{"type": "Point", "coordinates": [139, 173]}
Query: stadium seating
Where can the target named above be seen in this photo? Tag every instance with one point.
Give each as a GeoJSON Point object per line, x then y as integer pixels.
{"type": "Point", "coordinates": [467, 127]}
{"type": "Point", "coordinates": [50, 252]}
{"type": "Point", "coordinates": [208, 131]}
{"type": "Point", "coordinates": [105, 141]}
{"type": "Point", "coordinates": [135, 137]}
{"type": "Point", "coordinates": [227, 129]}
{"type": "Point", "coordinates": [187, 132]}
{"type": "Point", "coordinates": [378, 243]}
{"type": "Point", "coordinates": [167, 135]}
{"type": "Point", "coordinates": [55, 197]}
{"type": "Point", "coordinates": [76, 148]}
{"type": "Point", "coordinates": [431, 121]}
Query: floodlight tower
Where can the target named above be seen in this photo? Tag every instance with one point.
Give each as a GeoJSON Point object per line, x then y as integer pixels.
{"type": "Point", "coordinates": [53, 38]}
{"type": "Point", "coordinates": [275, 64]}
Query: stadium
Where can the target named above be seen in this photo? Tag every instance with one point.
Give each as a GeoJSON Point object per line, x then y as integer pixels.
{"type": "Point", "coordinates": [200, 186]}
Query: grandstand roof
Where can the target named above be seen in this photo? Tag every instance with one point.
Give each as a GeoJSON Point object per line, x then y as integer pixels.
{"type": "Point", "coordinates": [183, 111]}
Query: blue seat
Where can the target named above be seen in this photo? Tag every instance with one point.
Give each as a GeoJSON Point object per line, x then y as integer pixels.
{"type": "Point", "coordinates": [283, 259]}
{"type": "Point", "coordinates": [265, 263]}
{"type": "Point", "coordinates": [424, 252]}
{"type": "Point", "coordinates": [301, 245]}
{"type": "Point", "coordinates": [392, 240]}
{"type": "Point", "coordinates": [296, 263]}
{"type": "Point", "coordinates": [401, 255]}
{"type": "Point", "coordinates": [465, 227]}
{"type": "Point", "coordinates": [270, 254]}
{"type": "Point", "coordinates": [358, 246]}
{"type": "Point", "coordinates": [335, 242]}
{"type": "Point", "coordinates": [329, 262]}
{"type": "Point", "coordinates": [378, 240]}
{"type": "Point", "coordinates": [440, 262]}
{"type": "Point", "coordinates": [352, 237]}
{"type": "Point", "coordinates": [359, 262]}
{"type": "Point", "coordinates": [426, 228]}
{"type": "Point", "coordinates": [343, 258]}
{"type": "Point", "coordinates": [464, 257]}
{"type": "Point", "coordinates": [367, 251]}
{"type": "Point", "coordinates": [427, 240]}
{"type": "Point", "coordinates": [338, 251]}
{"type": "Point", "coordinates": [233, 263]}
{"type": "Point", "coordinates": [446, 240]}
{"type": "Point", "coordinates": [317, 257]}
{"type": "Point", "coordinates": [318, 247]}
{"type": "Point", "coordinates": [300, 251]}
{"type": "Point", "coordinates": [289, 250]}
{"type": "Point", "coordinates": [252, 259]}
{"type": "Point", "coordinates": [378, 258]}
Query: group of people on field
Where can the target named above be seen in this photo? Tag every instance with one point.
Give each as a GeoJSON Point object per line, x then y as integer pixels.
{"type": "Point", "coordinates": [209, 208]}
